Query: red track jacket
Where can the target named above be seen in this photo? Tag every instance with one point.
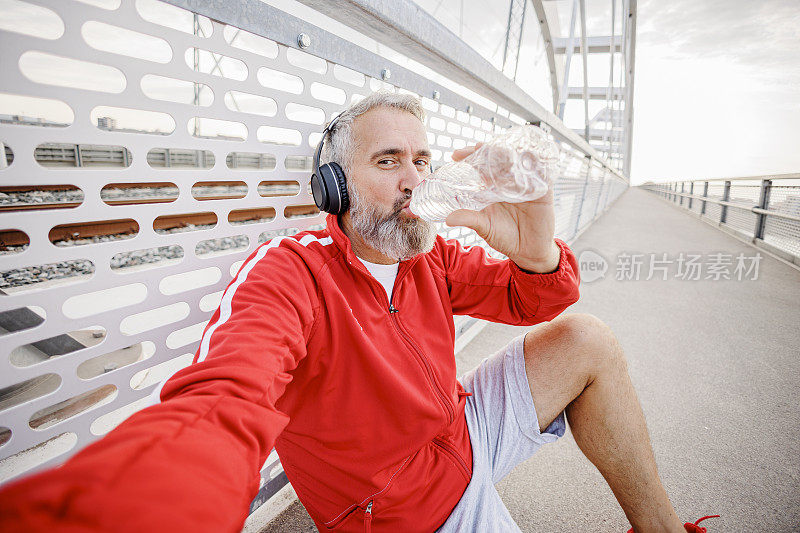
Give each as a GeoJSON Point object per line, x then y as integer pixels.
{"type": "Point", "coordinates": [359, 398]}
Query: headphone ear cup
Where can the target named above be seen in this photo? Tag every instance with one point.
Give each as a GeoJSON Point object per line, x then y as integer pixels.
{"type": "Point", "coordinates": [341, 185]}
{"type": "Point", "coordinates": [335, 199]}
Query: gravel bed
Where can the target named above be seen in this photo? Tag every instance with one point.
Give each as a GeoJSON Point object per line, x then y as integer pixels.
{"type": "Point", "coordinates": [131, 194]}
{"type": "Point", "coordinates": [41, 197]}
{"type": "Point", "coordinates": [20, 277]}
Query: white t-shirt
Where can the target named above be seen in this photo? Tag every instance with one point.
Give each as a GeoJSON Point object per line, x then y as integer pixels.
{"type": "Point", "coordinates": [385, 274]}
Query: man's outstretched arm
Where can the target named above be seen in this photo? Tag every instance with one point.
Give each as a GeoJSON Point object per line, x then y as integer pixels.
{"type": "Point", "coordinates": [190, 463]}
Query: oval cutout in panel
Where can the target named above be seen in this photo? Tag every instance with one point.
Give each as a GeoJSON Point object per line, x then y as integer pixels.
{"type": "Point", "coordinates": [436, 123]}
{"type": "Point", "coordinates": [313, 139]}
{"type": "Point", "coordinates": [243, 217]}
{"type": "Point", "coordinates": [64, 272]}
{"type": "Point", "coordinates": [96, 232]}
{"type": "Point", "coordinates": [250, 42]}
{"type": "Point", "coordinates": [139, 193]}
{"type": "Point", "coordinates": [62, 71]}
{"type": "Point", "coordinates": [376, 85]}
{"type": "Point", "coordinates": [180, 158]}
{"type": "Point", "coordinates": [280, 81]}
{"type": "Point", "coordinates": [13, 241]}
{"type": "Point", "coordinates": [444, 141]}
{"type": "Point", "coordinates": [66, 343]}
{"type": "Point", "coordinates": [278, 188]}
{"type": "Point", "coordinates": [236, 265]}
{"type": "Point", "coordinates": [250, 161]}
{"type": "Point", "coordinates": [21, 318]}
{"type": "Point", "coordinates": [64, 410]}
{"type": "Point", "coordinates": [28, 390]}
{"type": "Point", "coordinates": [111, 5]}
{"type": "Point", "coordinates": [348, 76]}
{"type": "Point", "coordinates": [125, 262]}
{"type": "Point", "coordinates": [82, 155]}
{"type": "Point", "coordinates": [105, 423]}
{"type": "Point", "coordinates": [34, 111]}
{"type": "Point", "coordinates": [187, 281]}
{"type": "Point", "coordinates": [108, 362]}
{"type": "Point", "coordinates": [222, 246]}
{"type": "Point", "coordinates": [306, 61]}
{"type": "Point", "coordinates": [166, 224]}
{"type": "Point", "coordinates": [271, 234]}
{"type": "Point", "coordinates": [280, 136]}
{"type": "Point", "coordinates": [6, 156]}
{"type": "Point", "coordinates": [429, 105]}
{"type": "Point", "coordinates": [34, 456]}
{"type": "Point", "coordinates": [125, 42]}
{"type": "Point", "coordinates": [185, 336]}
{"type": "Point", "coordinates": [29, 19]}
{"type": "Point", "coordinates": [208, 62]}
{"type": "Point", "coordinates": [219, 190]}
{"type": "Point", "coordinates": [300, 211]}
{"type": "Point", "coordinates": [173, 17]}
{"type": "Point", "coordinates": [158, 373]}
{"type": "Point", "coordinates": [298, 163]}
{"type": "Point", "coordinates": [327, 93]}
{"type": "Point", "coordinates": [304, 113]}
{"type": "Point", "coordinates": [210, 302]}
{"type": "Point", "coordinates": [154, 318]}
{"type": "Point", "coordinates": [447, 111]}
{"type": "Point", "coordinates": [37, 197]}
{"type": "Point", "coordinates": [211, 128]}
{"type": "Point", "coordinates": [5, 435]}
{"type": "Point", "coordinates": [175, 90]}
{"type": "Point", "coordinates": [126, 120]}
{"type": "Point", "coordinates": [250, 103]}
{"type": "Point", "coordinates": [104, 300]}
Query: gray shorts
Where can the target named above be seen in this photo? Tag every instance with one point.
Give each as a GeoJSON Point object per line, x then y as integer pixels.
{"type": "Point", "coordinates": [504, 431]}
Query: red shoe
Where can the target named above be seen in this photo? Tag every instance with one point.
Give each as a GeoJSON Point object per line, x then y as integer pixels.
{"type": "Point", "coordinates": [692, 528]}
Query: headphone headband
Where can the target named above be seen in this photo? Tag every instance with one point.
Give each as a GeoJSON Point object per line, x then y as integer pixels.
{"type": "Point", "coordinates": [318, 151]}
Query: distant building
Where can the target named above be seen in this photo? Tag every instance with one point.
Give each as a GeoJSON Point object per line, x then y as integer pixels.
{"type": "Point", "coordinates": [106, 123]}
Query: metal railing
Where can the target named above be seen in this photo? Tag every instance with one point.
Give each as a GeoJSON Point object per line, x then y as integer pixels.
{"type": "Point", "coordinates": [113, 257]}
{"type": "Point", "coordinates": [763, 210]}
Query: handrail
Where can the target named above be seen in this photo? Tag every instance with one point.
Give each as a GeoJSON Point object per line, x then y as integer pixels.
{"type": "Point", "coordinates": [793, 176]}
{"type": "Point", "coordinates": [754, 209]}
{"type": "Point", "coordinates": [779, 237]}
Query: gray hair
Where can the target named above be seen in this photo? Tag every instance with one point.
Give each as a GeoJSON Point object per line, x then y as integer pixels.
{"type": "Point", "coordinates": [340, 144]}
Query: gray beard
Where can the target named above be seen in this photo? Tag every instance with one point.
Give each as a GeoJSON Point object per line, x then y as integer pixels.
{"type": "Point", "coordinates": [391, 234]}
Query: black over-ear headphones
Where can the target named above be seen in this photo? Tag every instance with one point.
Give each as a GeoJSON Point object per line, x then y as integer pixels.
{"type": "Point", "coordinates": [328, 184]}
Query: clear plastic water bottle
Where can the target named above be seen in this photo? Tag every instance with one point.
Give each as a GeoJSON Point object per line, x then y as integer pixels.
{"type": "Point", "coordinates": [514, 166]}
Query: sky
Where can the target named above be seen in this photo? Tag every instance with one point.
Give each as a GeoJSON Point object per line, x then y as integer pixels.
{"type": "Point", "coordinates": [717, 89]}
{"type": "Point", "coordinates": [717, 82]}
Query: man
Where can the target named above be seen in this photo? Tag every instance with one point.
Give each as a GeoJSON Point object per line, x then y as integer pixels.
{"type": "Point", "coordinates": [336, 347]}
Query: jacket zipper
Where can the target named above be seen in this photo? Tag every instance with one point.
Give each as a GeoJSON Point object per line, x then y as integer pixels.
{"type": "Point", "coordinates": [447, 448]}
{"type": "Point", "coordinates": [449, 409]}
{"type": "Point", "coordinates": [368, 518]}
{"type": "Point", "coordinates": [441, 395]}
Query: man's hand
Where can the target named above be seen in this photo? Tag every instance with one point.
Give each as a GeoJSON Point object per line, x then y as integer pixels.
{"type": "Point", "coordinates": [522, 231]}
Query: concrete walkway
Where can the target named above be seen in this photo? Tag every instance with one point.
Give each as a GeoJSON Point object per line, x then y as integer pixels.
{"type": "Point", "coordinates": [717, 368]}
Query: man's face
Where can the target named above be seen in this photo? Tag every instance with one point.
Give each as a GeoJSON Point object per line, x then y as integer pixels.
{"type": "Point", "coordinates": [390, 159]}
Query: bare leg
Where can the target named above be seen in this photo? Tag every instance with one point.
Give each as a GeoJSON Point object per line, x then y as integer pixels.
{"type": "Point", "coordinates": [575, 363]}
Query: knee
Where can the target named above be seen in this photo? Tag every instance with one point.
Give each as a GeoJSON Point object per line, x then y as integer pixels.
{"type": "Point", "coordinates": [590, 340]}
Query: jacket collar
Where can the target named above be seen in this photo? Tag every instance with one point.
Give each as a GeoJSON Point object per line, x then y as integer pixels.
{"type": "Point", "coordinates": [343, 242]}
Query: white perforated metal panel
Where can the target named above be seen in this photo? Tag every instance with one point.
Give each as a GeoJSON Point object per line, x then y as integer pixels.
{"type": "Point", "coordinates": [148, 150]}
